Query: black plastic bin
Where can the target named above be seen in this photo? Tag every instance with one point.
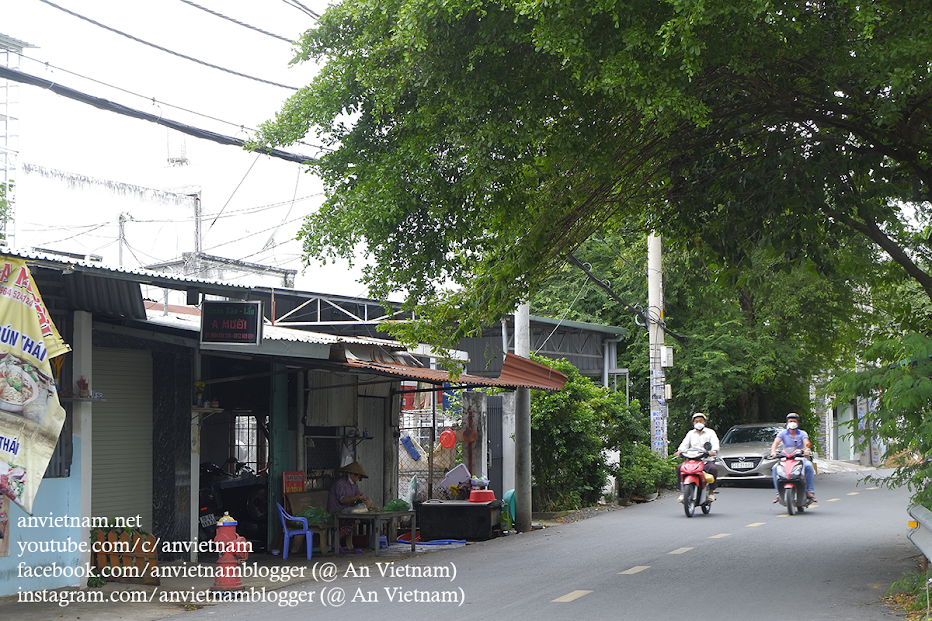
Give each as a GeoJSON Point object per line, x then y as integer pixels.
{"type": "Point", "coordinates": [459, 519]}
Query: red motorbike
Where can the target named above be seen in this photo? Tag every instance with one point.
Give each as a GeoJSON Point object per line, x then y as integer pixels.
{"type": "Point", "coordinates": [694, 481]}
{"type": "Point", "coordinates": [791, 481]}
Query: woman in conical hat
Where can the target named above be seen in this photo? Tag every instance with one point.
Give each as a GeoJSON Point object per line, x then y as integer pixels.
{"type": "Point", "coordinates": [345, 493]}
{"type": "Point", "coordinates": [355, 468]}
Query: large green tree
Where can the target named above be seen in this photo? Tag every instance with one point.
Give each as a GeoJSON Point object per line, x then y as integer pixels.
{"type": "Point", "coordinates": [755, 335]}
{"type": "Point", "coordinates": [476, 143]}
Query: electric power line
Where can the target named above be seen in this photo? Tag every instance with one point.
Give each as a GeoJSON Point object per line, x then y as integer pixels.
{"type": "Point", "coordinates": [288, 213]}
{"type": "Point", "coordinates": [18, 76]}
{"type": "Point", "coordinates": [233, 241]}
{"type": "Point", "coordinates": [214, 221]}
{"type": "Point", "coordinates": [302, 8]}
{"type": "Point", "coordinates": [99, 226]}
{"type": "Point", "coordinates": [239, 23]}
{"type": "Point", "coordinates": [153, 100]}
{"type": "Point", "coordinates": [164, 49]}
{"type": "Point", "coordinates": [565, 313]}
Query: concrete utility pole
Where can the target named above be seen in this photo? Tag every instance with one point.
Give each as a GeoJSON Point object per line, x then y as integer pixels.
{"type": "Point", "coordinates": [523, 425]}
{"type": "Point", "coordinates": [197, 222]}
{"type": "Point", "coordinates": [658, 385]}
{"type": "Point", "coordinates": [124, 217]}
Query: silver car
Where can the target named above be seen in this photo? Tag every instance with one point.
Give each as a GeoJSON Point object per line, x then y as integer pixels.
{"type": "Point", "coordinates": [745, 452]}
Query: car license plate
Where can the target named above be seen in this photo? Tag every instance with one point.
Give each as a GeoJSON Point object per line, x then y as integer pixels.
{"type": "Point", "coordinates": [208, 520]}
{"type": "Point", "coordinates": [742, 465]}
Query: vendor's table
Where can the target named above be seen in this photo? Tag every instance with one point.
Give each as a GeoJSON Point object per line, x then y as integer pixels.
{"type": "Point", "coordinates": [376, 518]}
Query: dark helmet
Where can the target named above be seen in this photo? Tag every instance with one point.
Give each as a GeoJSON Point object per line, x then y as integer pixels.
{"type": "Point", "coordinates": [792, 415]}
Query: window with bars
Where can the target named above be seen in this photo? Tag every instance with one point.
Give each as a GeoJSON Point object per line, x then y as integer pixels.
{"type": "Point", "coordinates": [247, 440]}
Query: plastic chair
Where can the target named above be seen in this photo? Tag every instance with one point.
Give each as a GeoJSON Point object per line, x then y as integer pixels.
{"type": "Point", "coordinates": [509, 499]}
{"type": "Point", "coordinates": [291, 531]}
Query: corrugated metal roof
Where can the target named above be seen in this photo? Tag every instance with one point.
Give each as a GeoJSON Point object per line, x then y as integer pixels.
{"type": "Point", "coordinates": [10, 43]}
{"type": "Point", "coordinates": [142, 276]}
{"type": "Point", "coordinates": [582, 325]}
{"type": "Point", "coordinates": [112, 298]}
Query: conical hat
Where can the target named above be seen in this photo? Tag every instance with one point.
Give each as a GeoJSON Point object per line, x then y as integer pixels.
{"type": "Point", "coordinates": [354, 468]}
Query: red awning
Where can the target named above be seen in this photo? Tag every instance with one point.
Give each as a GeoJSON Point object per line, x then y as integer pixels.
{"type": "Point", "coordinates": [517, 372]}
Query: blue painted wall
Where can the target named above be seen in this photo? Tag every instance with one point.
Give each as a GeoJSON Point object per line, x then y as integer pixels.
{"type": "Point", "coordinates": [56, 498]}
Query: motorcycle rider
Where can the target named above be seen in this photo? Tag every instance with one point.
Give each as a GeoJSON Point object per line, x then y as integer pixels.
{"type": "Point", "coordinates": [697, 438]}
{"type": "Point", "coordinates": [795, 438]}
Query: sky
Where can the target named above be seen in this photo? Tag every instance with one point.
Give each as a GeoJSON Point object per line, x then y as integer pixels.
{"type": "Point", "coordinates": [252, 204]}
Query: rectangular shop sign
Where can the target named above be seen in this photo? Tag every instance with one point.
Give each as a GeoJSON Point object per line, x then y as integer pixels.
{"type": "Point", "coordinates": [231, 323]}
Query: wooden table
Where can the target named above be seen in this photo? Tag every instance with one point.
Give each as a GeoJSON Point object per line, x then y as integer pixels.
{"type": "Point", "coordinates": [376, 519]}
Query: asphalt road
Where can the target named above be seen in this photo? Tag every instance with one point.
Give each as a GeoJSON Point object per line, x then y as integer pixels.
{"type": "Point", "coordinates": [747, 559]}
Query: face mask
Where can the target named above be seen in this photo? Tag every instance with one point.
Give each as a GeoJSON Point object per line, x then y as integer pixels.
{"type": "Point", "coordinates": [699, 426]}
{"type": "Point", "coordinates": [792, 425]}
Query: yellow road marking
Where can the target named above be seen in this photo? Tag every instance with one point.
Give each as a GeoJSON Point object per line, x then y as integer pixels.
{"type": "Point", "coordinates": [719, 536]}
{"type": "Point", "coordinates": [680, 551]}
{"type": "Point", "coordinates": [755, 524]}
{"type": "Point", "coordinates": [853, 493]}
{"type": "Point", "coordinates": [833, 499]}
{"type": "Point", "coordinates": [871, 488]}
{"type": "Point", "coordinates": [634, 570]}
{"type": "Point", "coordinates": [571, 596]}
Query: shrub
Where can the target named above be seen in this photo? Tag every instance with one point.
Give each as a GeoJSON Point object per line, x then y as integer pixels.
{"type": "Point", "coordinates": [642, 472]}
{"type": "Point", "coordinates": [571, 430]}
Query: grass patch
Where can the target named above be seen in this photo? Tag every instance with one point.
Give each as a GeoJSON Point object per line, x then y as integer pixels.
{"type": "Point", "coordinates": [911, 594]}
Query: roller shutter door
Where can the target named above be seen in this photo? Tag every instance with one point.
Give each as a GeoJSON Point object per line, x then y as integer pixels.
{"type": "Point", "coordinates": [122, 432]}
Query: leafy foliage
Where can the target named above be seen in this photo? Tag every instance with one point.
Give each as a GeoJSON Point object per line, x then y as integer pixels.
{"type": "Point", "coordinates": [476, 143]}
{"type": "Point", "coordinates": [570, 431]}
{"type": "Point", "coordinates": [756, 333]}
{"type": "Point", "coordinates": [642, 472]}
{"type": "Point", "coordinates": [900, 386]}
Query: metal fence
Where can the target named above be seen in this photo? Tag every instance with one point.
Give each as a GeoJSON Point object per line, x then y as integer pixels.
{"type": "Point", "coordinates": [415, 459]}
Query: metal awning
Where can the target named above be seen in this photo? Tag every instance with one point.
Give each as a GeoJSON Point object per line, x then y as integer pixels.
{"type": "Point", "coordinates": [520, 371]}
{"type": "Point", "coordinates": [517, 372]}
{"type": "Point", "coordinates": [363, 355]}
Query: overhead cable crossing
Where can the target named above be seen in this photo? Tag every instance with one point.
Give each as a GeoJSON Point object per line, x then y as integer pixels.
{"type": "Point", "coordinates": [239, 23]}
{"type": "Point", "coordinates": [572, 259]}
{"type": "Point", "coordinates": [302, 8]}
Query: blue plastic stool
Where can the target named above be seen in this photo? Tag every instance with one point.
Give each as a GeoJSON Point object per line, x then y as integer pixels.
{"type": "Point", "coordinates": [383, 542]}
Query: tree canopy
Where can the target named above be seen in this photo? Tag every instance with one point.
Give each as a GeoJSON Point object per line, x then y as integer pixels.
{"type": "Point", "coordinates": [756, 335]}
{"type": "Point", "coordinates": [476, 143]}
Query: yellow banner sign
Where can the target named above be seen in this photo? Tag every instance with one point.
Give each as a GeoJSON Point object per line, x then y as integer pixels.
{"type": "Point", "coordinates": [31, 416]}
